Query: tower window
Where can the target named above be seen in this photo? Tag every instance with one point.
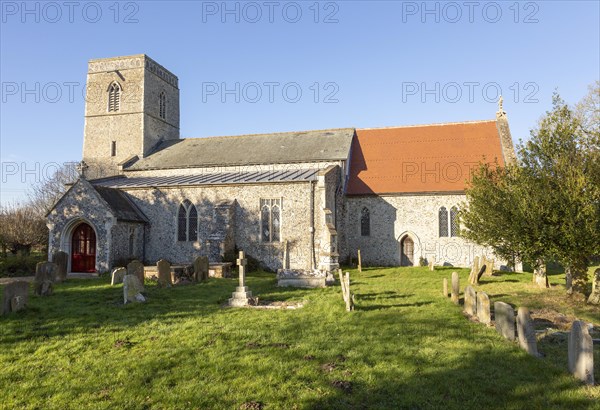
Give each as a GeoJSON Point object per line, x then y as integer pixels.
{"type": "Point", "coordinates": [113, 149]}
{"type": "Point", "coordinates": [162, 105]}
{"type": "Point", "coordinates": [114, 97]}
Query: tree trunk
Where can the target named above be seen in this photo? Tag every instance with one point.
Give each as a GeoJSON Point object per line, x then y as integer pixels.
{"type": "Point", "coordinates": [568, 280]}
{"type": "Point", "coordinates": [579, 278]}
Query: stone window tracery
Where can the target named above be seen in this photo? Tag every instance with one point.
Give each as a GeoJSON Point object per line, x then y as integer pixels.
{"type": "Point", "coordinates": [443, 221]}
{"type": "Point", "coordinates": [114, 97]}
{"type": "Point", "coordinates": [270, 220]}
{"type": "Point", "coordinates": [187, 222]}
{"type": "Point", "coordinates": [162, 105]}
{"type": "Point", "coordinates": [365, 222]}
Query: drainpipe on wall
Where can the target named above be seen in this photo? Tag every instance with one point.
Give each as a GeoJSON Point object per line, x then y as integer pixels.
{"type": "Point", "coordinates": [312, 225]}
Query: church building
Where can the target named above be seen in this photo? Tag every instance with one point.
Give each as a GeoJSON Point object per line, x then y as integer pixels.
{"type": "Point", "coordinates": [304, 201]}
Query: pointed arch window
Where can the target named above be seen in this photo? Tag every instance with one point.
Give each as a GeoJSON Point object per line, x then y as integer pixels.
{"type": "Point", "coordinates": [443, 221]}
{"type": "Point", "coordinates": [270, 220]}
{"type": "Point", "coordinates": [454, 224]}
{"type": "Point", "coordinates": [187, 222]}
{"type": "Point", "coordinates": [162, 105]}
{"type": "Point", "coordinates": [365, 222]}
{"type": "Point", "coordinates": [114, 97]}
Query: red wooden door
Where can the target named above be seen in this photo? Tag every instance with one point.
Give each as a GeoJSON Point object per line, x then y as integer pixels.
{"type": "Point", "coordinates": [83, 249]}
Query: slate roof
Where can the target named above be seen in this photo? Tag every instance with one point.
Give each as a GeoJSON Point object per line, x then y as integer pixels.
{"type": "Point", "coordinates": [422, 158]}
{"type": "Point", "coordinates": [277, 148]}
{"type": "Point", "coordinates": [249, 177]}
{"type": "Point", "coordinates": [123, 208]}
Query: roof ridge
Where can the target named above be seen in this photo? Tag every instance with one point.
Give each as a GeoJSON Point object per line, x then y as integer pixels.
{"type": "Point", "coordinates": [267, 134]}
{"type": "Point", "coordinates": [438, 124]}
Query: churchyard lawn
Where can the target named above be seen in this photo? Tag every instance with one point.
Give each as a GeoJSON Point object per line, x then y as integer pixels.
{"type": "Point", "coordinates": [405, 346]}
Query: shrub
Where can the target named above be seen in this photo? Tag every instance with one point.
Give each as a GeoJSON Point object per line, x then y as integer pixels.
{"type": "Point", "coordinates": [19, 265]}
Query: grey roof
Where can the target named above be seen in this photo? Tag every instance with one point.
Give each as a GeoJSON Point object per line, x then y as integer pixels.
{"type": "Point", "coordinates": [249, 177]}
{"type": "Point", "coordinates": [124, 209]}
{"type": "Point", "coordinates": [278, 148]}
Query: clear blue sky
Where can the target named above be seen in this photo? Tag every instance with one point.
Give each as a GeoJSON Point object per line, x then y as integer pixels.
{"type": "Point", "coordinates": [373, 61]}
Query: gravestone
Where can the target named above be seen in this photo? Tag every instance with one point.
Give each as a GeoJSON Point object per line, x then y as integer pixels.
{"type": "Point", "coordinates": [480, 273]}
{"type": "Point", "coordinates": [489, 267]}
{"type": "Point", "coordinates": [201, 267]}
{"type": "Point", "coordinates": [594, 298]}
{"type": "Point", "coordinates": [445, 287]}
{"type": "Point", "coordinates": [473, 278]}
{"type": "Point", "coordinates": [455, 288]}
{"type": "Point", "coordinates": [483, 308]}
{"type": "Point", "coordinates": [117, 275]}
{"type": "Point", "coordinates": [61, 260]}
{"type": "Point", "coordinates": [431, 264]}
{"type": "Point", "coordinates": [45, 275]}
{"type": "Point", "coordinates": [15, 297]}
{"type": "Point", "coordinates": [581, 352]}
{"type": "Point", "coordinates": [136, 268]}
{"type": "Point", "coordinates": [504, 316]}
{"type": "Point", "coordinates": [242, 295]}
{"type": "Point", "coordinates": [470, 301]}
{"type": "Point", "coordinates": [132, 289]}
{"type": "Point", "coordinates": [526, 332]}
{"type": "Point", "coordinates": [164, 273]}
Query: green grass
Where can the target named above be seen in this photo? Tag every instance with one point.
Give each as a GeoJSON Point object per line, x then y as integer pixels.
{"type": "Point", "coordinates": [405, 346]}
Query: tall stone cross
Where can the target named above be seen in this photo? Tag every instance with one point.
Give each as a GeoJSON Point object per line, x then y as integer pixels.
{"type": "Point", "coordinates": [242, 262]}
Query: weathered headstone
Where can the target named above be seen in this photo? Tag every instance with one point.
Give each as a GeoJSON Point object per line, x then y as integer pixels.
{"type": "Point", "coordinates": [164, 273]}
{"type": "Point", "coordinates": [483, 308]}
{"type": "Point", "coordinates": [15, 296]}
{"type": "Point", "coordinates": [359, 262]}
{"type": "Point", "coordinates": [489, 267]}
{"type": "Point", "coordinates": [117, 276]}
{"type": "Point", "coordinates": [470, 301]}
{"type": "Point", "coordinates": [473, 277]}
{"type": "Point", "coordinates": [504, 316]}
{"type": "Point", "coordinates": [455, 288]}
{"type": "Point", "coordinates": [526, 332]}
{"type": "Point", "coordinates": [445, 287]}
{"type": "Point", "coordinates": [581, 352]}
{"type": "Point", "coordinates": [432, 264]}
{"type": "Point", "coordinates": [136, 268]}
{"type": "Point", "coordinates": [132, 289]}
{"type": "Point", "coordinates": [201, 268]}
{"type": "Point", "coordinates": [61, 260]}
{"type": "Point", "coordinates": [45, 275]}
{"type": "Point", "coordinates": [242, 295]}
{"type": "Point", "coordinates": [286, 255]}
{"type": "Point", "coordinates": [594, 298]}
{"type": "Point", "coordinates": [480, 273]}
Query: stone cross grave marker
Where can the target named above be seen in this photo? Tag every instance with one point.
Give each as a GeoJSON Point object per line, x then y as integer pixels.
{"type": "Point", "coordinates": [455, 288]}
{"type": "Point", "coordinates": [242, 295]}
{"type": "Point", "coordinates": [504, 315]}
{"type": "Point", "coordinates": [581, 352]}
{"type": "Point", "coordinates": [526, 332]}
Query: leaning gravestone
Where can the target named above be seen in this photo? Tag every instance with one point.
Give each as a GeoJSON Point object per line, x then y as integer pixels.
{"type": "Point", "coordinates": [489, 267]}
{"type": "Point", "coordinates": [470, 301]}
{"type": "Point", "coordinates": [45, 275]}
{"type": "Point", "coordinates": [201, 268]}
{"type": "Point", "coordinates": [483, 308]}
{"type": "Point", "coordinates": [164, 273]}
{"type": "Point", "coordinates": [526, 332]}
{"type": "Point", "coordinates": [136, 268]}
{"type": "Point", "coordinates": [474, 270]}
{"type": "Point", "coordinates": [480, 273]}
{"type": "Point", "coordinates": [445, 287]}
{"type": "Point", "coordinates": [581, 353]}
{"type": "Point", "coordinates": [117, 276]}
{"type": "Point", "coordinates": [504, 315]}
{"type": "Point", "coordinates": [455, 288]}
{"type": "Point", "coordinates": [61, 259]}
{"type": "Point", "coordinates": [15, 296]}
{"type": "Point", "coordinates": [594, 298]}
{"type": "Point", "coordinates": [132, 289]}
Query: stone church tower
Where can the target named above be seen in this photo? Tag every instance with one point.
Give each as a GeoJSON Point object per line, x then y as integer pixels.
{"type": "Point", "coordinates": [132, 105]}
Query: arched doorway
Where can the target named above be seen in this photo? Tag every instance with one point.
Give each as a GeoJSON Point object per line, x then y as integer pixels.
{"type": "Point", "coordinates": [407, 251]}
{"type": "Point", "coordinates": [83, 249]}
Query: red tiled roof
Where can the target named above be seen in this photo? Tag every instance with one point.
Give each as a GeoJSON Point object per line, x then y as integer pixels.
{"type": "Point", "coordinates": [418, 159]}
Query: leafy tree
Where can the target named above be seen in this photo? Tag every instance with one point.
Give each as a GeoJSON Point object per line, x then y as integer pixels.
{"type": "Point", "coordinates": [547, 206]}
